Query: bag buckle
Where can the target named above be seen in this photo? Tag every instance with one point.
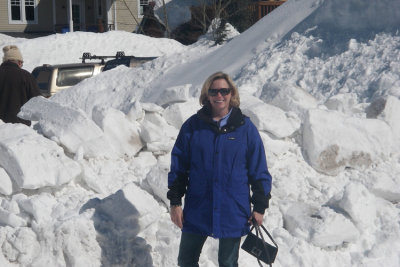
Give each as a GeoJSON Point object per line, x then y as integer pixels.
{"type": "Point", "coordinates": [256, 251]}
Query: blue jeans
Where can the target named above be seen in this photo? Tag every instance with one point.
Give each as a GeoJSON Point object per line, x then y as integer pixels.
{"type": "Point", "coordinates": [191, 245]}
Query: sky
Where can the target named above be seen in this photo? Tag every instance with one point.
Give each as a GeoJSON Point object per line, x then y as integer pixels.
{"type": "Point", "coordinates": [86, 184]}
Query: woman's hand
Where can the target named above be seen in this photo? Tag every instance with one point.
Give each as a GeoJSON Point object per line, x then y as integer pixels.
{"type": "Point", "coordinates": [258, 217]}
{"type": "Point", "coordinates": [176, 214]}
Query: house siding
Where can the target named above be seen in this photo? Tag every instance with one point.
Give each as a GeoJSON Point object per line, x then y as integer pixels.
{"type": "Point", "coordinates": [44, 18]}
{"type": "Point", "coordinates": [127, 15]}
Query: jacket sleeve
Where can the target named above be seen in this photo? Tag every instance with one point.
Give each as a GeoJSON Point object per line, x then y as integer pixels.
{"type": "Point", "coordinates": [259, 177]}
{"type": "Point", "coordinates": [178, 176]}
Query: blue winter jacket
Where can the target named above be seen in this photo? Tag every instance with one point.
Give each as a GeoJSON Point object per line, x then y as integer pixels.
{"type": "Point", "coordinates": [215, 168]}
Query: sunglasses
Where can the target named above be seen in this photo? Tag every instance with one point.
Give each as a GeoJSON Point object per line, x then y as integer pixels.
{"type": "Point", "coordinates": [222, 91]}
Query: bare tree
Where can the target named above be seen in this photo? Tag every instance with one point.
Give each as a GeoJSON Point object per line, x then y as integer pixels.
{"type": "Point", "coordinates": [210, 9]}
{"type": "Point", "coordinates": [220, 8]}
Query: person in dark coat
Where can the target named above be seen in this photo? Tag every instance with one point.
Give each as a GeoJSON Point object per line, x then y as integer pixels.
{"type": "Point", "coordinates": [17, 85]}
{"type": "Point", "coordinates": [218, 163]}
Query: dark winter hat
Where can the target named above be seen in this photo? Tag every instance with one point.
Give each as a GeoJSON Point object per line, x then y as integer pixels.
{"type": "Point", "coordinates": [11, 52]}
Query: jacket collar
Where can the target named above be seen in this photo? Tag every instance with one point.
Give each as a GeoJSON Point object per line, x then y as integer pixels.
{"type": "Point", "coordinates": [9, 64]}
{"type": "Point", "coordinates": [236, 119]}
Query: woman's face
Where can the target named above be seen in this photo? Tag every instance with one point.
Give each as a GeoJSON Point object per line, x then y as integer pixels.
{"type": "Point", "coordinates": [220, 103]}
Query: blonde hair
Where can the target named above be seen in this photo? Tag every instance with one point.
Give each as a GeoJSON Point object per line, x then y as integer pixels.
{"type": "Point", "coordinates": [235, 100]}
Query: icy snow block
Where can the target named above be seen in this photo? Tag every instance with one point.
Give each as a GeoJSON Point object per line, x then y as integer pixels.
{"type": "Point", "coordinates": [288, 97]}
{"type": "Point", "coordinates": [386, 186]}
{"type": "Point", "coordinates": [135, 112]}
{"type": "Point", "coordinates": [122, 134]}
{"type": "Point", "coordinates": [154, 181]}
{"type": "Point", "coordinates": [11, 219]}
{"type": "Point", "coordinates": [333, 141]}
{"type": "Point", "coordinates": [147, 206]}
{"type": "Point", "coordinates": [33, 161]}
{"type": "Point", "coordinates": [157, 133]}
{"type": "Point", "coordinates": [174, 94]}
{"type": "Point", "coordinates": [151, 107]}
{"type": "Point", "coordinates": [388, 110]}
{"type": "Point", "coordinates": [359, 204]}
{"type": "Point", "coordinates": [271, 119]}
{"type": "Point", "coordinates": [69, 127]}
{"type": "Point", "coordinates": [333, 229]}
{"type": "Point", "coordinates": [155, 129]}
{"type": "Point", "coordinates": [344, 103]}
{"type": "Point", "coordinates": [5, 183]}
{"type": "Point", "coordinates": [321, 226]}
{"type": "Point", "coordinates": [178, 113]}
{"type": "Point", "coordinates": [40, 207]}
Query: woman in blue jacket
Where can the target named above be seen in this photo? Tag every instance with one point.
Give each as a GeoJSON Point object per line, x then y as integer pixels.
{"type": "Point", "coordinates": [218, 157]}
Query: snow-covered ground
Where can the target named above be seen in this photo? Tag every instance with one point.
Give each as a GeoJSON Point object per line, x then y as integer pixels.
{"type": "Point", "coordinates": [86, 185]}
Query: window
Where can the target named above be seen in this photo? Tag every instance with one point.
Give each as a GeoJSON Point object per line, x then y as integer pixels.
{"type": "Point", "coordinates": [72, 76]}
{"type": "Point", "coordinates": [22, 11]}
{"type": "Point", "coordinates": [30, 10]}
{"type": "Point", "coordinates": [143, 5]}
{"type": "Point", "coordinates": [43, 79]}
{"type": "Point", "coordinates": [15, 9]}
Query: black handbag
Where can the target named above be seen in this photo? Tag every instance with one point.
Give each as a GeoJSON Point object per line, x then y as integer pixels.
{"type": "Point", "coordinates": [256, 245]}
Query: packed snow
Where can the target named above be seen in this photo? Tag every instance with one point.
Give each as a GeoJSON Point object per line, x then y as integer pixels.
{"type": "Point", "coordinates": [86, 184]}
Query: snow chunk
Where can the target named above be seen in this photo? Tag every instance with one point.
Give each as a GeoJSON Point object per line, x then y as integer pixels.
{"type": "Point", "coordinates": [321, 226]}
{"type": "Point", "coordinates": [275, 148]}
{"type": "Point", "coordinates": [157, 133]}
{"type": "Point", "coordinates": [123, 135]}
{"type": "Point", "coordinates": [136, 112]}
{"type": "Point", "coordinates": [334, 230]}
{"type": "Point", "coordinates": [359, 204]}
{"type": "Point", "coordinates": [176, 114]}
{"type": "Point", "coordinates": [147, 207]}
{"type": "Point", "coordinates": [142, 164]}
{"type": "Point", "coordinates": [288, 97]}
{"type": "Point", "coordinates": [333, 141]}
{"type": "Point", "coordinates": [342, 102]}
{"type": "Point", "coordinates": [40, 207]}
{"type": "Point", "coordinates": [5, 183]}
{"type": "Point", "coordinates": [386, 109]}
{"type": "Point", "coordinates": [69, 127]}
{"type": "Point", "coordinates": [155, 182]}
{"type": "Point", "coordinates": [174, 94]}
{"type": "Point", "coordinates": [386, 186]}
{"type": "Point", "coordinates": [33, 161]}
{"type": "Point", "coordinates": [151, 107]}
{"type": "Point", "coordinates": [11, 219]}
{"type": "Point", "coordinates": [270, 118]}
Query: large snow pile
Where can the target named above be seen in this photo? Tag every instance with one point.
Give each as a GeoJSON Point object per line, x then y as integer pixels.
{"type": "Point", "coordinates": [86, 185]}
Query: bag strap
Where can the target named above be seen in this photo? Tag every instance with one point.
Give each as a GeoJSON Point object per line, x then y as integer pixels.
{"type": "Point", "coordinates": [259, 234]}
{"type": "Point", "coordinates": [269, 235]}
